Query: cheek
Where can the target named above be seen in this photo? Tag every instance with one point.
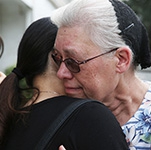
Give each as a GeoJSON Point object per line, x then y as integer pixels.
{"type": "Point", "coordinates": [89, 75]}
{"type": "Point", "coordinates": [98, 82]}
{"type": "Point", "coordinates": [107, 76]}
{"type": "Point", "coordinates": [89, 84]}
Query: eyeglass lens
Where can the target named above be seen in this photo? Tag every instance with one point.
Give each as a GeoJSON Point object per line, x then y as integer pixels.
{"type": "Point", "coordinates": [57, 59]}
{"type": "Point", "coordinates": [71, 64]}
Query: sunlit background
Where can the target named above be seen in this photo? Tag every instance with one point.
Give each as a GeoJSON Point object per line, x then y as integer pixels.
{"type": "Point", "coordinates": [17, 15]}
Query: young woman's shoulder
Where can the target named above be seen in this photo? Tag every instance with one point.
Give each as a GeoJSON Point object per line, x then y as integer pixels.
{"type": "Point", "coordinates": [95, 111]}
{"type": "Point", "coordinates": [95, 127]}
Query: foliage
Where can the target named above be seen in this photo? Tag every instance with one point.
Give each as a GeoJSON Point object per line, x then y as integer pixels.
{"type": "Point", "coordinates": [8, 70]}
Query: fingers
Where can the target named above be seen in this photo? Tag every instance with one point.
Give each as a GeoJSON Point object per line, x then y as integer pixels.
{"type": "Point", "coordinates": [62, 147]}
{"type": "Point", "coordinates": [2, 76]}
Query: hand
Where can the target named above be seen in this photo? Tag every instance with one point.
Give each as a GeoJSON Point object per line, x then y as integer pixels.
{"type": "Point", "coordinates": [62, 147]}
{"type": "Point", "coordinates": [2, 76]}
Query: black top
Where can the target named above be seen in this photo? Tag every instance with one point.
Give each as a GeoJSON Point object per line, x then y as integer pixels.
{"type": "Point", "coordinates": [92, 127]}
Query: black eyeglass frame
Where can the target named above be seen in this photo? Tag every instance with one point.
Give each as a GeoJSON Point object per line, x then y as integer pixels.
{"type": "Point", "coordinates": [78, 63]}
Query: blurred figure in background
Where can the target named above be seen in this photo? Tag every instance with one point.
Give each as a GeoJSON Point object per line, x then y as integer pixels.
{"type": "Point", "coordinates": [2, 75]}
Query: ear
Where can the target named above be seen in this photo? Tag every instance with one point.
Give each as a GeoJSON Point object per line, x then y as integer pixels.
{"type": "Point", "coordinates": [124, 57]}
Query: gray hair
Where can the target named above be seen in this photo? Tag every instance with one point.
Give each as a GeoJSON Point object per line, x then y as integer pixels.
{"type": "Point", "coordinates": [98, 19]}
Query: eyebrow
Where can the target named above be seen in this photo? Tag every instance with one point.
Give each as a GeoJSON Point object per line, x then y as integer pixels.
{"type": "Point", "coordinates": [66, 51]}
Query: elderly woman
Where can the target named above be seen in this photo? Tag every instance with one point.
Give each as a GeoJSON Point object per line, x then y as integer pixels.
{"type": "Point", "coordinates": [98, 46]}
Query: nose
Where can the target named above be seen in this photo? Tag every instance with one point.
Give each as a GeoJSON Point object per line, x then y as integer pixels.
{"type": "Point", "coordinates": [63, 72]}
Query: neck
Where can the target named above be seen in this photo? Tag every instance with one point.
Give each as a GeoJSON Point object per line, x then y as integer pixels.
{"type": "Point", "coordinates": [52, 92]}
{"type": "Point", "coordinates": [126, 99]}
{"type": "Point", "coordinates": [43, 95]}
{"type": "Point", "coordinates": [46, 87]}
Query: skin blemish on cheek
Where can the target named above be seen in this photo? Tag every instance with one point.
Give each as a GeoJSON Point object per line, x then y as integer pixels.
{"type": "Point", "coordinates": [64, 30]}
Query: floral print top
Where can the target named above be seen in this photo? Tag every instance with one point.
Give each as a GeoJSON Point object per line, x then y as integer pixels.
{"type": "Point", "coordinates": [138, 128]}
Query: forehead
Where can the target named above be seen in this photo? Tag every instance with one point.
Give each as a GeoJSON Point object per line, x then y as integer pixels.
{"type": "Point", "coordinates": [73, 40]}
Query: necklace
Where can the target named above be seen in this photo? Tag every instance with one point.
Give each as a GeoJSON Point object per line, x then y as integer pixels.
{"type": "Point", "coordinates": [53, 92]}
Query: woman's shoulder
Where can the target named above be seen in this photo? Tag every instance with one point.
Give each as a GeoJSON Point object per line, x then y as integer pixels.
{"type": "Point", "coordinates": [95, 125]}
{"type": "Point", "coordinates": [94, 110]}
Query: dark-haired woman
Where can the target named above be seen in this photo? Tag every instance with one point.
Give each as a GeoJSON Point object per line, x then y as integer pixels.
{"type": "Point", "coordinates": [23, 123]}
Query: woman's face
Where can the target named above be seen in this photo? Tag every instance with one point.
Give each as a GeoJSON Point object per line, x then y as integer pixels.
{"type": "Point", "coordinates": [97, 78]}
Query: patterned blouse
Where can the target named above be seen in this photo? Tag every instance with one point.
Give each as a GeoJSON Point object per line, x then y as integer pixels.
{"type": "Point", "coordinates": [138, 128]}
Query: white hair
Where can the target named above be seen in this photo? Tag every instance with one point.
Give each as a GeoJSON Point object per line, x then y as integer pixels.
{"type": "Point", "coordinates": [98, 19]}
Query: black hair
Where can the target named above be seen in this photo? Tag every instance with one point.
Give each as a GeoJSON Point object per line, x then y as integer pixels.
{"type": "Point", "coordinates": [34, 47]}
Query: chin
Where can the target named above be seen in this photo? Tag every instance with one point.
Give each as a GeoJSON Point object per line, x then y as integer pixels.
{"type": "Point", "coordinates": [77, 95]}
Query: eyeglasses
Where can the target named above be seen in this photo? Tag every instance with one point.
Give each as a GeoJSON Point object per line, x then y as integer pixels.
{"type": "Point", "coordinates": [73, 65]}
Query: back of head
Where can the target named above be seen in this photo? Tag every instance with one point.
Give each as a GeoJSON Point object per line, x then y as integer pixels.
{"type": "Point", "coordinates": [35, 45]}
{"type": "Point", "coordinates": [109, 24]}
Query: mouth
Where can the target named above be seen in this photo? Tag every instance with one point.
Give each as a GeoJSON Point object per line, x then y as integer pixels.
{"type": "Point", "coordinates": [73, 91]}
